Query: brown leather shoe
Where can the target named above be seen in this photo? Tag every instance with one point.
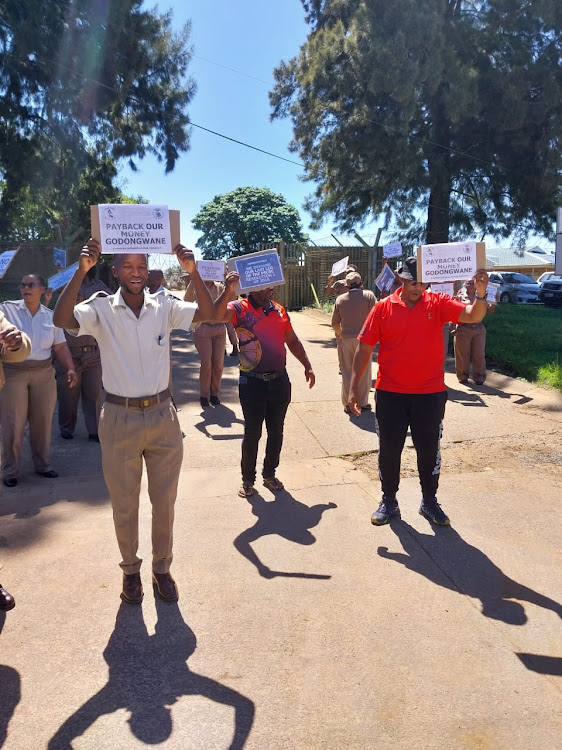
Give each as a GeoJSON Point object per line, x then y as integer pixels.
{"type": "Point", "coordinates": [165, 586]}
{"type": "Point", "coordinates": [132, 588]}
{"type": "Point", "coordinates": [7, 601]}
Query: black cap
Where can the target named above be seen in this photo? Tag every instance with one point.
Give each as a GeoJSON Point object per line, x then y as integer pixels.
{"type": "Point", "coordinates": [409, 269]}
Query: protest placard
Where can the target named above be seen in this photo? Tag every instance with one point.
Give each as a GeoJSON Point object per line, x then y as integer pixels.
{"type": "Point", "coordinates": [392, 250]}
{"type": "Point", "coordinates": [492, 292]}
{"type": "Point", "coordinates": [257, 270]}
{"type": "Point", "coordinates": [446, 287]}
{"type": "Point", "coordinates": [5, 259]}
{"type": "Point", "coordinates": [59, 258]}
{"type": "Point", "coordinates": [340, 266]}
{"type": "Point", "coordinates": [211, 270]}
{"type": "Point", "coordinates": [450, 261]}
{"type": "Point", "coordinates": [63, 277]}
{"type": "Point", "coordinates": [385, 279]}
{"type": "Point", "coordinates": [135, 228]}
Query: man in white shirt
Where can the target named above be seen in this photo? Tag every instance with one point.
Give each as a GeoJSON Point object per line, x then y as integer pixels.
{"type": "Point", "coordinates": [138, 420]}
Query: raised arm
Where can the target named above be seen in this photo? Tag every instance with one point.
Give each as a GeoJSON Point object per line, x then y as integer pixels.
{"type": "Point", "coordinates": [205, 306]}
{"type": "Point", "coordinates": [63, 315]}
{"type": "Point", "coordinates": [297, 350]}
{"type": "Point", "coordinates": [475, 312]}
{"type": "Point", "coordinates": [223, 313]}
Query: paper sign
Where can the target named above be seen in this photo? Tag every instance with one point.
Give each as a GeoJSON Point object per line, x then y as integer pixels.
{"type": "Point", "coordinates": [450, 261]}
{"type": "Point", "coordinates": [385, 279]}
{"type": "Point", "coordinates": [392, 250]}
{"type": "Point", "coordinates": [5, 259]}
{"type": "Point", "coordinates": [59, 258]}
{"type": "Point", "coordinates": [133, 228]}
{"type": "Point", "coordinates": [447, 287]}
{"type": "Point", "coordinates": [492, 292]}
{"type": "Point", "coordinates": [258, 270]}
{"type": "Point", "coordinates": [211, 270]}
{"type": "Point", "coordinates": [340, 266]}
{"type": "Point", "coordinates": [62, 278]}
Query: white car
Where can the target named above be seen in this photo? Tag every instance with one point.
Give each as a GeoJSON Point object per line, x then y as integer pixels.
{"type": "Point", "coordinates": [514, 287]}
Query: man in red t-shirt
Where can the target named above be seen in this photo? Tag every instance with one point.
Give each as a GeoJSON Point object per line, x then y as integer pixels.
{"type": "Point", "coordinates": [410, 385]}
{"type": "Point", "coordinates": [263, 329]}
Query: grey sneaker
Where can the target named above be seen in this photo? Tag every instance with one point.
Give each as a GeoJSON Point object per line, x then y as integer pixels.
{"type": "Point", "coordinates": [387, 509]}
{"type": "Point", "coordinates": [434, 513]}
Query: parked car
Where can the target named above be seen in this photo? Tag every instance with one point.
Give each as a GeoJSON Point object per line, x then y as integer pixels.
{"type": "Point", "coordinates": [545, 277]}
{"type": "Point", "coordinates": [551, 292]}
{"type": "Point", "coordinates": [517, 288]}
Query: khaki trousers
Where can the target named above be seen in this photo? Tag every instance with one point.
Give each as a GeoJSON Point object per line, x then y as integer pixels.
{"type": "Point", "coordinates": [28, 396]}
{"type": "Point", "coordinates": [210, 341]}
{"type": "Point", "coordinates": [127, 435]}
{"type": "Point", "coordinates": [89, 387]}
{"type": "Point", "coordinates": [346, 352]}
{"type": "Point", "coordinates": [470, 343]}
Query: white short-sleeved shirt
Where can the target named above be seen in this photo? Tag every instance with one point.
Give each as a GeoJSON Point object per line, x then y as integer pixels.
{"type": "Point", "coordinates": [39, 327]}
{"type": "Point", "coordinates": [135, 352]}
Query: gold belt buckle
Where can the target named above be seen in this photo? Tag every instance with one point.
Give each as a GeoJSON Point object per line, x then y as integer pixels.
{"type": "Point", "coordinates": [145, 402]}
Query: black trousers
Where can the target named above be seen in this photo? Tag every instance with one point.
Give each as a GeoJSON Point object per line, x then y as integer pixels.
{"type": "Point", "coordinates": [263, 400]}
{"type": "Point", "coordinates": [423, 413]}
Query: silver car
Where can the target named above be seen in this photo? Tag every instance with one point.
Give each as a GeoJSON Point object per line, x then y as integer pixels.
{"type": "Point", "coordinates": [514, 287]}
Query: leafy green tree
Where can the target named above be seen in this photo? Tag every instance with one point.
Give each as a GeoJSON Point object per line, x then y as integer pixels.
{"type": "Point", "coordinates": [83, 86]}
{"type": "Point", "coordinates": [238, 222]}
{"type": "Point", "coordinates": [447, 108]}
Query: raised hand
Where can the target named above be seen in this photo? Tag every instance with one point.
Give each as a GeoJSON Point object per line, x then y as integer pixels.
{"type": "Point", "coordinates": [186, 259]}
{"type": "Point", "coordinates": [89, 255]}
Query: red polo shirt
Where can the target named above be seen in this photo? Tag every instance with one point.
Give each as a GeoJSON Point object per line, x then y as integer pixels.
{"type": "Point", "coordinates": [410, 341]}
{"type": "Point", "coordinates": [261, 337]}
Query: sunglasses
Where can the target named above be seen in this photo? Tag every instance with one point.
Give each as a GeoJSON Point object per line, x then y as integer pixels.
{"type": "Point", "coordinates": [28, 284]}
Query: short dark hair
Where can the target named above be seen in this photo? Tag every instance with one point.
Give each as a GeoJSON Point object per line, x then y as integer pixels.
{"type": "Point", "coordinates": [39, 278]}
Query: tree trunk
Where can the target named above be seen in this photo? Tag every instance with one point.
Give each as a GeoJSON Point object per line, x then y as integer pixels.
{"type": "Point", "coordinates": [439, 166]}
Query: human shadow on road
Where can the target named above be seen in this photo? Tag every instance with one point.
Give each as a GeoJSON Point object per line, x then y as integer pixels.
{"type": "Point", "coordinates": [220, 416]}
{"type": "Point", "coordinates": [147, 674]}
{"type": "Point", "coordinates": [445, 558]}
{"type": "Point", "coordinates": [464, 398]}
{"type": "Point", "coordinates": [10, 692]}
{"type": "Point", "coordinates": [285, 517]}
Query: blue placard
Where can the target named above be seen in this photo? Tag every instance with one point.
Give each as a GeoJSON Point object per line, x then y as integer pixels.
{"type": "Point", "coordinates": [59, 258]}
{"type": "Point", "coordinates": [262, 270]}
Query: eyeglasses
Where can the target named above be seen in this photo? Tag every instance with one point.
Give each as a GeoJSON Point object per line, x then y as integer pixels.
{"type": "Point", "coordinates": [28, 284]}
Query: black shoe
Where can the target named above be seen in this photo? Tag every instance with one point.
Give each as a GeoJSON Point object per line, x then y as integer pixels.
{"type": "Point", "coordinates": [367, 407]}
{"type": "Point", "coordinates": [94, 436]}
{"type": "Point", "coordinates": [387, 509]}
{"type": "Point", "coordinates": [52, 474]}
{"type": "Point", "coordinates": [431, 510]}
{"type": "Point", "coordinates": [66, 435]}
{"type": "Point", "coordinates": [165, 587]}
{"type": "Point", "coordinates": [204, 402]}
{"type": "Point", "coordinates": [132, 588]}
{"type": "Point", "coordinates": [215, 400]}
{"type": "Point", "coordinates": [7, 601]}
{"type": "Point", "coordinates": [10, 481]}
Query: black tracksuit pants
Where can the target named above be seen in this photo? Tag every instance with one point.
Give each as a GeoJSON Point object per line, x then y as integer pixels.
{"type": "Point", "coordinates": [423, 413]}
{"type": "Point", "coordinates": [263, 400]}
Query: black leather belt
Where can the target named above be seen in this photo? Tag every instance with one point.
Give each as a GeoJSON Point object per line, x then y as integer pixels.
{"type": "Point", "coordinates": [92, 348]}
{"type": "Point", "coordinates": [263, 375]}
{"type": "Point", "coordinates": [139, 403]}
{"type": "Point", "coordinates": [470, 325]}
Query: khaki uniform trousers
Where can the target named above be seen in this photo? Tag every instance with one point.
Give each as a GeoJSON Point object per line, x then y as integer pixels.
{"type": "Point", "coordinates": [89, 387]}
{"type": "Point", "coordinates": [346, 352]}
{"type": "Point", "coordinates": [470, 342]}
{"type": "Point", "coordinates": [28, 396]}
{"type": "Point", "coordinates": [127, 435]}
{"type": "Point", "coordinates": [210, 340]}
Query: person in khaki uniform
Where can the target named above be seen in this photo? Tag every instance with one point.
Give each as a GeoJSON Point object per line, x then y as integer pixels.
{"type": "Point", "coordinates": [350, 312]}
{"type": "Point", "coordinates": [470, 341]}
{"type": "Point", "coordinates": [15, 346]}
{"type": "Point", "coordinates": [30, 393]}
{"type": "Point", "coordinates": [132, 328]}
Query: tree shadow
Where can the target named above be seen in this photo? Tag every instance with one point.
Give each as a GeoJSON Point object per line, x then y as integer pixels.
{"type": "Point", "coordinates": [10, 692]}
{"type": "Point", "coordinates": [148, 674]}
{"type": "Point", "coordinates": [447, 560]}
{"type": "Point", "coordinates": [219, 416]}
{"type": "Point", "coordinates": [284, 517]}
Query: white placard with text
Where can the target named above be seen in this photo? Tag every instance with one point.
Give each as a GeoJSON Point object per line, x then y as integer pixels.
{"type": "Point", "coordinates": [448, 261]}
{"type": "Point", "coordinates": [340, 266]}
{"type": "Point", "coordinates": [134, 228]}
{"type": "Point", "coordinates": [211, 270]}
{"type": "Point", "coordinates": [5, 259]}
{"type": "Point", "coordinates": [62, 278]}
{"type": "Point", "coordinates": [447, 287]}
{"type": "Point", "coordinates": [392, 250]}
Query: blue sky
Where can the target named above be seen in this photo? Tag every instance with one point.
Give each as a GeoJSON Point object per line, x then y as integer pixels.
{"type": "Point", "coordinates": [252, 37]}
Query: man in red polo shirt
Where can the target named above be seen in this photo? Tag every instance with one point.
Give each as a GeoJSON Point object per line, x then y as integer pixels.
{"type": "Point", "coordinates": [410, 386]}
